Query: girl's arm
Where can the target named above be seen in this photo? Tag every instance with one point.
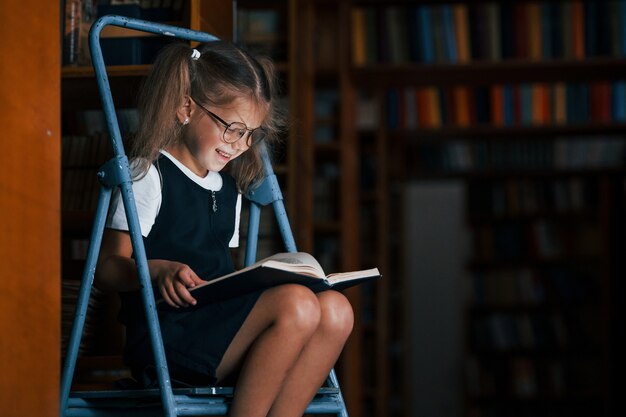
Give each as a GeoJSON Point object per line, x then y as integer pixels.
{"type": "Point", "coordinates": [116, 271]}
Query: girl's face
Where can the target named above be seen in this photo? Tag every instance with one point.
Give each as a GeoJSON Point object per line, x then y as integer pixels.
{"type": "Point", "coordinates": [202, 148]}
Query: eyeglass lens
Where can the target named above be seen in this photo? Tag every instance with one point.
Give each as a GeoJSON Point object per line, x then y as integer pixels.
{"type": "Point", "coordinates": [235, 131]}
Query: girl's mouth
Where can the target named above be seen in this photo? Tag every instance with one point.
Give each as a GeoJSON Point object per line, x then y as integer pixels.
{"type": "Point", "coordinates": [223, 154]}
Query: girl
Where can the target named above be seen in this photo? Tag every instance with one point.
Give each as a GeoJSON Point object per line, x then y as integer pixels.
{"type": "Point", "coordinates": [201, 110]}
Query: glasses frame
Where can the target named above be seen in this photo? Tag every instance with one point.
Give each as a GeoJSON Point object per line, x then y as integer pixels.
{"type": "Point", "coordinates": [249, 141]}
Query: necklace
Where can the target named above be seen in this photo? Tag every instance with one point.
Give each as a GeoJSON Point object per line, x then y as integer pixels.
{"type": "Point", "coordinates": [214, 201]}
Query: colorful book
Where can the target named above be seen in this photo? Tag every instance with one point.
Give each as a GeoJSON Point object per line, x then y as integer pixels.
{"type": "Point", "coordinates": [448, 33]}
{"type": "Point", "coordinates": [559, 100]}
{"type": "Point", "coordinates": [359, 56]}
{"type": "Point", "coordinates": [507, 100]}
{"type": "Point", "coordinates": [461, 32]}
{"type": "Point", "coordinates": [546, 11]}
{"type": "Point", "coordinates": [578, 29]}
{"type": "Point", "coordinates": [494, 32]}
{"type": "Point", "coordinates": [497, 105]}
{"type": "Point", "coordinates": [534, 30]}
{"type": "Point", "coordinates": [424, 17]}
{"type": "Point", "coordinates": [618, 99]}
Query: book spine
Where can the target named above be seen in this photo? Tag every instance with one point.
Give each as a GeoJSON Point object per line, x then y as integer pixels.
{"type": "Point", "coordinates": [71, 31]}
{"type": "Point", "coordinates": [462, 34]}
{"type": "Point", "coordinates": [426, 33]}
{"type": "Point", "coordinates": [359, 56]}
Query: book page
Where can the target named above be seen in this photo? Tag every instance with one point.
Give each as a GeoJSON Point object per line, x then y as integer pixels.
{"type": "Point", "coordinates": [347, 276]}
{"type": "Point", "coordinates": [299, 262]}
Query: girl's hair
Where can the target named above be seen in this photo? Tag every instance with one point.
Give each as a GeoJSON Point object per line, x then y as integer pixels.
{"type": "Point", "coordinates": [222, 73]}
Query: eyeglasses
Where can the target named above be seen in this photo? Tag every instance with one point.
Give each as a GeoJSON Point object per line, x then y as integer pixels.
{"type": "Point", "coordinates": [234, 131]}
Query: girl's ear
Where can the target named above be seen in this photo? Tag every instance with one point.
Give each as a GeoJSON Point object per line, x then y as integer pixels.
{"type": "Point", "coordinates": [184, 111]}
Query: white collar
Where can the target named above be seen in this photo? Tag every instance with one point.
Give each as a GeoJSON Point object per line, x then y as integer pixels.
{"type": "Point", "coordinates": [211, 181]}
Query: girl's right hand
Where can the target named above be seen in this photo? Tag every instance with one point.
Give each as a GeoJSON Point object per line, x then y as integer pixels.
{"type": "Point", "coordinates": [173, 280]}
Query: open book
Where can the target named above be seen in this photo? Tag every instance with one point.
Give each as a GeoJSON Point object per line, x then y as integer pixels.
{"type": "Point", "coordinates": [281, 268]}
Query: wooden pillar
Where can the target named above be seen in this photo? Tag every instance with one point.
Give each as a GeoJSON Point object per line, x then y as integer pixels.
{"type": "Point", "coordinates": [30, 208]}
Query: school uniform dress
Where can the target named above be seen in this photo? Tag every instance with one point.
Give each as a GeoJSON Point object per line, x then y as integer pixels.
{"type": "Point", "coordinates": [191, 220]}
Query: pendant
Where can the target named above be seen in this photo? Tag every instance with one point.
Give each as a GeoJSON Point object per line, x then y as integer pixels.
{"type": "Point", "coordinates": [214, 201]}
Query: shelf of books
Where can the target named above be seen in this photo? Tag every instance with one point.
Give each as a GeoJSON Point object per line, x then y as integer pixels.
{"type": "Point", "coordinates": [525, 103]}
{"type": "Point", "coordinates": [343, 175]}
{"type": "Point", "coordinates": [537, 318]}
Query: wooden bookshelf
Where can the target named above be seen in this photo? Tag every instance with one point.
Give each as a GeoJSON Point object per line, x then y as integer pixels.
{"type": "Point", "coordinates": [391, 155]}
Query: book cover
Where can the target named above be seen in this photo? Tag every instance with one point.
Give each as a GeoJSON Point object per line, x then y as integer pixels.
{"type": "Point", "coordinates": [359, 56]}
{"type": "Point", "coordinates": [393, 109]}
{"type": "Point", "coordinates": [559, 100]}
{"type": "Point", "coordinates": [534, 30]}
{"type": "Point", "coordinates": [436, 17]}
{"type": "Point", "coordinates": [556, 32]}
{"type": "Point", "coordinates": [497, 105]}
{"type": "Point", "coordinates": [449, 36]}
{"type": "Point", "coordinates": [521, 30]}
{"type": "Point", "coordinates": [71, 32]}
{"type": "Point", "coordinates": [422, 105]}
{"type": "Point", "coordinates": [547, 51]}
{"type": "Point", "coordinates": [494, 31]}
{"type": "Point", "coordinates": [507, 24]}
{"type": "Point", "coordinates": [603, 26]}
{"type": "Point", "coordinates": [282, 268]}
{"type": "Point", "coordinates": [540, 104]}
{"type": "Point", "coordinates": [622, 27]}
{"type": "Point", "coordinates": [482, 105]}
{"type": "Point", "coordinates": [372, 54]}
{"type": "Point", "coordinates": [618, 102]}
{"type": "Point", "coordinates": [424, 19]}
{"type": "Point", "coordinates": [461, 32]}
{"type": "Point", "coordinates": [434, 107]}
{"type": "Point", "coordinates": [398, 35]}
{"type": "Point", "coordinates": [578, 29]}
{"type": "Point", "coordinates": [591, 30]}
{"type": "Point", "coordinates": [613, 31]}
{"type": "Point", "coordinates": [567, 31]}
{"type": "Point", "coordinates": [507, 100]}
{"type": "Point", "coordinates": [462, 105]}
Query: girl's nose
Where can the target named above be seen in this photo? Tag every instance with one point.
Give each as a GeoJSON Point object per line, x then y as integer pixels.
{"type": "Point", "coordinates": [241, 144]}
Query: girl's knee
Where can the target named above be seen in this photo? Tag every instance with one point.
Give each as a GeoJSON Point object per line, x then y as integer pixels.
{"type": "Point", "coordinates": [296, 307]}
{"type": "Point", "coordinates": [337, 314]}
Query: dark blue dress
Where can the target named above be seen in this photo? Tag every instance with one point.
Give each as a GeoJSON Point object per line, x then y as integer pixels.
{"type": "Point", "coordinates": [193, 226]}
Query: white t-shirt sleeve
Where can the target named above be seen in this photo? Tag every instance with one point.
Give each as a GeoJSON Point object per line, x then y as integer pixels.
{"type": "Point", "coordinates": [234, 241]}
{"type": "Point", "coordinates": [147, 193]}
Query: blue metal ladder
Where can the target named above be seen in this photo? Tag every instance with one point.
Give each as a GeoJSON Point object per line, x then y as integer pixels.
{"type": "Point", "coordinates": [116, 173]}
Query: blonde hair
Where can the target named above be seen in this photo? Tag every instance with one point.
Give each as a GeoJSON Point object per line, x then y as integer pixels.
{"type": "Point", "coordinates": [222, 73]}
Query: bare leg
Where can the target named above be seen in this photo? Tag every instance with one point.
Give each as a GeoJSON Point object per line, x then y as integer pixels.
{"type": "Point", "coordinates": [268, 344]}
{"type": "Point", "coordinates": [317, 358]}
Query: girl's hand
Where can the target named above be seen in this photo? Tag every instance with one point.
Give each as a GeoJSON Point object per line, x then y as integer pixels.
{"type": "Point", "coordinates": [173, 280]}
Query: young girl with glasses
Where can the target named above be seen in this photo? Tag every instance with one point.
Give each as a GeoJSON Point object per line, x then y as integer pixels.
{"type": "Point", "coordinates": [201, 110]}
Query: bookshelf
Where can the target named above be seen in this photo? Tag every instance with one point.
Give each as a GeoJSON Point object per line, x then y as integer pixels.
{"type": "Point", "coordinates": [338, 203]}
{"type": "Point", "coordinates": [523, 102]}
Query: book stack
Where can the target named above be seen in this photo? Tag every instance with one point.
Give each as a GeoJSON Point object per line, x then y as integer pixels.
{"type": "Point", "coordinates": [69, 296]}
{"type": "Point", "coordinates": [81, 157]}
{"type": "Point", "coordinates": [119, 46]}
